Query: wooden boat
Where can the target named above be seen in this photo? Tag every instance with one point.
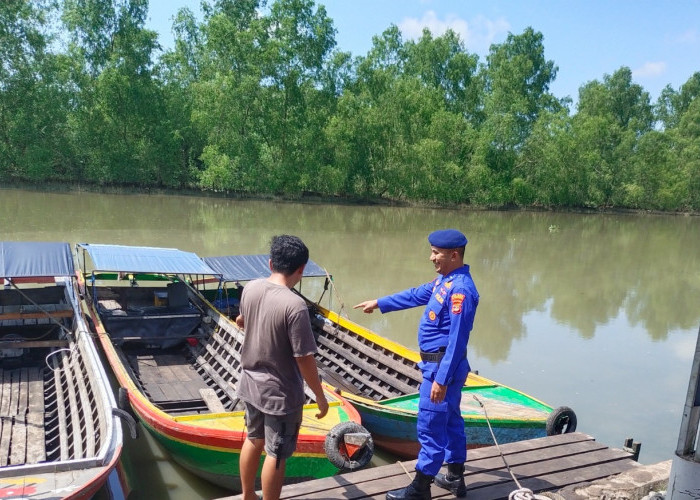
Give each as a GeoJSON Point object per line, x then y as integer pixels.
{"type": "Point", "coordinates": [177, 361]}
{"type": "Point", "coordinates": [59, 437]}
{"type": "Point", "coordinates": [381, 378]}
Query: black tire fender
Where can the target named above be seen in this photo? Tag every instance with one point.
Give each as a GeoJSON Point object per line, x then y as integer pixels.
{"type": "Point", "coordinates": [334, 446]}
{"type": "Point", "coordinates": [123, 400]}
{"type": "Point", "coordinates": [562, 420]}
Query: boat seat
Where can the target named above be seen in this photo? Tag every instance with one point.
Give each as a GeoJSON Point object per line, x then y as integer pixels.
{"type": "Point", "coordinates": [22, 315]}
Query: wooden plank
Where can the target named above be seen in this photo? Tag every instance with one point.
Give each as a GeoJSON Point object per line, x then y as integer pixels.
{"type": "Point", "coordinates": [87, 403]}
{"type": "Point", "coordinates": [28, 344]}
{"type": "Point", "coordinates": [334, 343]}
{"type": "Point", "coordinates": [334, 379]}
{"type": "Point", "coordinates": [36, 445]}
{"type": "Point", "coordinates": [168, 377]}
{"type": "Point", "coordinates": [6, 379]}
{"type": "Point", "coordinates": [214, 356]}
{"type": "Point", "coordinates": [61, 406]}
{"type": "Point", "coordinates": [26, 312]}
{"type": "Point", "coordinates": [375, 381]}
{"type": "Point", "coordinates": [5, 435]}
{"type": "Point", "coordinates": [35, 380]}
{"type": "Point", "coordinates": [9, 411]}
{"type": "Point", "coordinates": [14, 391]}
{"type": "Point", "coordinates": [407, 369]}
{"type": "Point", "coordinates": [24, 388]}
{"type": "Point", "coordinates": [218, 380]}
{"type": "Point", "coordinates": [554, 481]}
{"type": "Point", "coordinates": [75, 411]}
{"type": "Point", "coordinates": [551, 474]}
{"type": "Point", "coordinates": [168, 382]}
{"type": "Point", "coordinates": [25, 428]}
{"type": "Point", "coordinates": [543, 464]}
{"type": "Point", "coordinates": [568, 469]}
{"type": "Point", "coordinates": [220, 340]}
{"type": "Point", "coordinates": [178, 388]}
{"type": "Point", "coordinates": [19, 426]}
{"type": "Point", "coordinates": [487, 458]}
{"type": "Point", "coordinates": [5, 417]}
{"type": "Point", "coordinates": [212, 400]}
{"type": "Point", "coordinates": [18, 453]}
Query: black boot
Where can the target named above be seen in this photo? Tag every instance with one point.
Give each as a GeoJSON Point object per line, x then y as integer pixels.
{"type": "Point", "coordinates": [453, 480]}
{"type": "Point", "coordinates": [419, 489]}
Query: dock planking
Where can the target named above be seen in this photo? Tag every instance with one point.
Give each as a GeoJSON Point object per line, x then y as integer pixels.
{"type": "Point", "coordinates": [544, 464]}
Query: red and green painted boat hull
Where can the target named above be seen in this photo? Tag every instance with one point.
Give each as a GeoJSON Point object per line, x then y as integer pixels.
{"type": "Point", "coordinates": [393, 422]}
{"type": "Point", "coordinates": [215, 457]}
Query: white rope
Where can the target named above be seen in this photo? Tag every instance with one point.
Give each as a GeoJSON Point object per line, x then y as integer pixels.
{"type": "Point", "coordinates": [521, 493]}
{"type": "Point", "coordinates": [334, 289]}
{"type": "Point", "coordinates": [525, 494]}
{"type": "Point", "coordinates": [72, 350]}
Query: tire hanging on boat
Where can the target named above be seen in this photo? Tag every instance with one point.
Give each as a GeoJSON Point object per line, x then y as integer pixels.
{"type": "Point", "coordinates": [562, 420]}
{"type": "Point", "coordinates": [336, 446]}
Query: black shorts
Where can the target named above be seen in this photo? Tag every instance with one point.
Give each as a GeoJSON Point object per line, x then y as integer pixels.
{"type": "Point", "coordinates": [279, 431]}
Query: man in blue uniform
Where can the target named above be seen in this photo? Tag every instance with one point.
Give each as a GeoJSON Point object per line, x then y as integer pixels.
{"type": "Point", "coordinates": [443, 333]}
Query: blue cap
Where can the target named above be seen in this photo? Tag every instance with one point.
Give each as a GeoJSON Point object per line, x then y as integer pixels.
{"type": "Point", "coordinates": [447, 238]}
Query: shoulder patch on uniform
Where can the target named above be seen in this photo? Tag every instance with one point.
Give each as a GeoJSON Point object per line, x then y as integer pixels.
{"type": "Point", "coordinates": [448, 285]}
{"type": "Point", "coordinates": [457, 299]}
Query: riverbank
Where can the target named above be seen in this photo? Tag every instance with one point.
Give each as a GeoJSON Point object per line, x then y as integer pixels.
{"type": "Point", "coordinates": [317, 199]}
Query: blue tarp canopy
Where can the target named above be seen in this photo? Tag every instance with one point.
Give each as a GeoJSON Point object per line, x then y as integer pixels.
{"type": "Point", "coordinates": [250, 267]}
{"type": "Point", "coordinates": [25, 259]}
{"type": "Point", "coordinates": [131, 259]}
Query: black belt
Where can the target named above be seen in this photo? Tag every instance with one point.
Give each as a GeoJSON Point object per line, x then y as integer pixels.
{"type": "Point", "coordinates": [434, 357]}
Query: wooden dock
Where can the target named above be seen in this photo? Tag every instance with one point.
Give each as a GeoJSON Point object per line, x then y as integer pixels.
{"type": "Point", "coordinates": [546, 464]}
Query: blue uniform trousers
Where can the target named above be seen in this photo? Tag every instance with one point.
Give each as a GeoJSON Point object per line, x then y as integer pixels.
{"type": "Point", "coordinates": [440, 426]}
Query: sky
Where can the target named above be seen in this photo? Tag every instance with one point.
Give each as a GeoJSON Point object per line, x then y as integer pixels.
{"type": "Point", "coordinates": [659, 40]}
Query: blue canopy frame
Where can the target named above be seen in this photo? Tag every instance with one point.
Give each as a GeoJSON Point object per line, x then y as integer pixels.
{"type": "Point", "coordinates": [250, 267]}
{"type": "Point", "coordinates": [31, 259]}
{"type": "Point", "coordinates": [135, 259]}
{"type": "Point", "coordinates": [125, 259]}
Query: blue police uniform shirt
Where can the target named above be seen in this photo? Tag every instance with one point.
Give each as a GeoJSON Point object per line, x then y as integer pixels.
{"type": "Point", "coordinates": [448, 319]}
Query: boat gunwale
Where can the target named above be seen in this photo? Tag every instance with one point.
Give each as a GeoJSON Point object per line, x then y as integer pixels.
{"type": "Point", "coordinates": [176, 427]}
{"type": "Point", "coordinates": [107, 456]}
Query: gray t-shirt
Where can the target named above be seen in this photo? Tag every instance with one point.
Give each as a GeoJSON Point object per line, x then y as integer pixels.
{"type": "Point", "coordinates": [277, 329]}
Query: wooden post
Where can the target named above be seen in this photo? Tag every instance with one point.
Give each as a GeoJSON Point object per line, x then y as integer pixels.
{"type": "Point", "coordinates": [684, 479]}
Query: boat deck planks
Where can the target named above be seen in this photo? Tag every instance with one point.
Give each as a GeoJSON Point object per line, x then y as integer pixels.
{"type": "Point", "coordinates": [167, 377]}
{"type": "Point", "coordinates": [21, 416]}
{"type": "Point", "coordinates": [544, 464]}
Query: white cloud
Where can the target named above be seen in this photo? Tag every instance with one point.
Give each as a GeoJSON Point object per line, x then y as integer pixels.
{"type": "Point", "coordinates": [477, 34]}
{"type": "Point", "coordinates": [650, 70]}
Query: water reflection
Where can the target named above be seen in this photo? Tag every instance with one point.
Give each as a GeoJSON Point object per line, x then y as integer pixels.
{"type": "Point", "coordinates": [571, 304]}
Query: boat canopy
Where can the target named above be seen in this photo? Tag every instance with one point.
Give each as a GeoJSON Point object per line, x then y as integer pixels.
{"type": "Point", "coordinates": [133, 259]}
{"type": "Point", "coordinates": [26, 259]}
{"type": "Point", "coordinates": [250, 267]}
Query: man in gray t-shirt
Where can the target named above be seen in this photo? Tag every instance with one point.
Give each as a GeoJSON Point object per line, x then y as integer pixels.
{"type": "Point", "coordinates": [276, 358]}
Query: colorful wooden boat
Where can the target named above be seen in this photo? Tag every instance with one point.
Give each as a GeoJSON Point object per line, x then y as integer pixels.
{"type": "Point", "coordinates": [381, 379]}
{"type": "Point", "coordinates": [177, 361]}
{"type": "Point", "coordinates": [59, 436]}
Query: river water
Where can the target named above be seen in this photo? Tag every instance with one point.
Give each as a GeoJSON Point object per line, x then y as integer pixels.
{"type": "Point", "coordinates": [597, 312]}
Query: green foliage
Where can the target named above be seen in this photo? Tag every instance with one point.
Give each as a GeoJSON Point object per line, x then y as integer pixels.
{"type": "Point", "coordinates": [255, 99]}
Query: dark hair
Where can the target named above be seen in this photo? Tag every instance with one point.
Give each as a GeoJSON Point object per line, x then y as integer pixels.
{"type": "Point", "coordinates": [287, 253]}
